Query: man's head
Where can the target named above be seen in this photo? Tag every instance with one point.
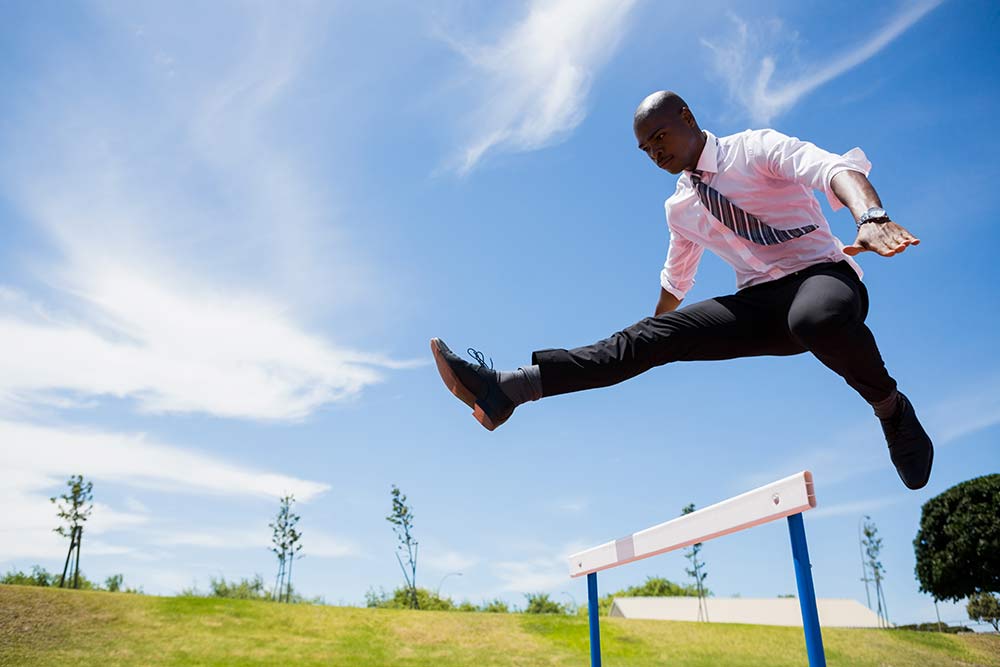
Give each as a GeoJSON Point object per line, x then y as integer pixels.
{"type": "Point", "coordinates": [667, 132]}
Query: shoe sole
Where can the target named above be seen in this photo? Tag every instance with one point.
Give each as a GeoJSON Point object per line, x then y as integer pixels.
{"type": "Point", "coordinates": [456, 387]}
{"type": "Point", "coordinates": [930, 465]}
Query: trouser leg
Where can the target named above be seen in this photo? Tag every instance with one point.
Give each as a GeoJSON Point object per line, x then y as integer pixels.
{"type": "Point", "coordinates": [827, 317]}
{"type": "Point", "coordinates": [723, 328]}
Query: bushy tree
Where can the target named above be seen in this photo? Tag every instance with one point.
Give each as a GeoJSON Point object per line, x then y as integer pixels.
{"type": "Point", "coordinates": [984, 607]}
{"type": "Point", "coordinates": [958, 545]}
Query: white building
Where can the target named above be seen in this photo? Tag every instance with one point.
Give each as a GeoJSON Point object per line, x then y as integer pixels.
{"type": "Point", "coordinates": [833, 613]}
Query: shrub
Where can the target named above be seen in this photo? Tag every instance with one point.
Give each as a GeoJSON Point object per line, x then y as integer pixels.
{"type": "Point", "coordinates": [401, 599]}
{"type": "Point", "coordinates": [541, 603]}
{"type": "Point", "coordinates": [495, 606]}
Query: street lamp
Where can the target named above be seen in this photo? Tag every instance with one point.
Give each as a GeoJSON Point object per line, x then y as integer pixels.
{"type": "Point", "coordinates": [437, 593]}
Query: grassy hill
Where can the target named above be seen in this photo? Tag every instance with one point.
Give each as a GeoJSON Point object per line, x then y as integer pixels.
{"type": "Point", "coordinates": [48, 627]}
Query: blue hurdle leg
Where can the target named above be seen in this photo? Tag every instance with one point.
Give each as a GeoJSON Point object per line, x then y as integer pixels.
{"type": "Point", "coordinates": [807, 595]}
{"type": "Point", "coordinates": [594, 613]}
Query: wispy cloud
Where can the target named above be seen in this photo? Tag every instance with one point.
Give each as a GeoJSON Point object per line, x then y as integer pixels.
{"type": "Point", "coordinates": [182, 232]}
{"type": "Point", "coordinates": [42, 456]}
{"type": "Point", "coordinates": [746, 60]}
{"type": "Point", "coordinates": [175, 348]}
{"type": "Point", "coordinates": [316, 544]}
{"type": "Point", "coordinates": [532, 83]}
{"type": "Point", "coordinates": [36, 460]}
{"type": "Point", "coordinates": [856, 508]}
{"type": "Point", "coordinates": [859, 449]}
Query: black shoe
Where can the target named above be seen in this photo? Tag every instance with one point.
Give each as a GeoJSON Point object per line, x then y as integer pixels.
{"type": "Point", "coordinates": [476, 386]}
{"type": "Point", "coordinates": [910, 447]}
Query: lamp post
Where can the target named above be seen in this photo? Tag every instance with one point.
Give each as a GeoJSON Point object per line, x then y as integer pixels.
{"type": "Point", "coordinates": [437, 592]}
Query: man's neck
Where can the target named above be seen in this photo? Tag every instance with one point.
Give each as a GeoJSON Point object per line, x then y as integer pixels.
{"type": "Point", "coordinates": [702, 140]}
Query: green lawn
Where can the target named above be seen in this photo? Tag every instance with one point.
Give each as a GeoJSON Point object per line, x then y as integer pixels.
{"type": "Point", "coordinates": [49, 627]}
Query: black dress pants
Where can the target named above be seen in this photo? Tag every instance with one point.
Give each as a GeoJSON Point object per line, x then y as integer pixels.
{"type": "Point", "coordinates": [820, 309]}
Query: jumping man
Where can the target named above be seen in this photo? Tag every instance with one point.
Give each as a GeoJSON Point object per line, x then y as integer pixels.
{"type": "Point", "coordinates": [748, 198]}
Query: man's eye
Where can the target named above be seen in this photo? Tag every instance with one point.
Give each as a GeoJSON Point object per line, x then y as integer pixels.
{"type": "Point", "coordinates": [660, 136]}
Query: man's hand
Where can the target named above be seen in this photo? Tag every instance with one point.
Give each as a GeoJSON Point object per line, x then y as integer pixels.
{"type": "Point", "coordinates": [885, 238]}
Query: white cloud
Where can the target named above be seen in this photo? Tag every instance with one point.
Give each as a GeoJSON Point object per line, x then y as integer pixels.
{"type": "Point", "coordinates": [533, 82]}
{"type": "Point", "coordinates": [315, 544]}
{"type": "Point", "coordinates": [176, 348]}
{"type": "Point", "coordinates": [855, 508]}
{"type": "Point", "coordinates": [188, 238]}
{"type": "Point", "coordinates": [857, 449]}
{"type": "Point", "coordinates": [444, 560]}
{"type": "Point", "coordinates": [545, 570]}
{"type": "Point", "coordinates": [747, 63]}
{"type": "Point", "coordinates": [42, 457]}
{"type": "Point", "coordinates": [37, 460]}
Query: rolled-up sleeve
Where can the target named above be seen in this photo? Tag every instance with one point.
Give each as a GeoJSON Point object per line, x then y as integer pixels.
{"type": "Point", "coordinates": [802, 162]}
{"type": "Point", "coordinates": [683, 256]}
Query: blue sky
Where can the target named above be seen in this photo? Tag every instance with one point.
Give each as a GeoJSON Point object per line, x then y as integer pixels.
{"type": "Point", "coordinates": [230, 232]}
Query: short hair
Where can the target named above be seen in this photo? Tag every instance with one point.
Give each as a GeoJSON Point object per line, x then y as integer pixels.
{"type": "Point", "coordinates": [660, 101]}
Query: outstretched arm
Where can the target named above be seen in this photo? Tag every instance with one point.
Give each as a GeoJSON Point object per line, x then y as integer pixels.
{"type": "Point", "coordinates": [667, 303]}
{"type": "Point", "coordinates": [886, 238]}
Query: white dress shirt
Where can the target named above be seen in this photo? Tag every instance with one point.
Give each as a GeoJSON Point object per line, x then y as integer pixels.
{"type": "Point", "coordinates": [772, 176]}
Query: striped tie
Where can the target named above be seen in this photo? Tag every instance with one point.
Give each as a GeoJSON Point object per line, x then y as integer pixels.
{"type": "Point", "coordinates": [743, 224]}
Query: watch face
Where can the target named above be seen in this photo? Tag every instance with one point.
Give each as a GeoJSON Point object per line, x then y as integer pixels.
{"type": "Point", "coordinates": [875, 213]}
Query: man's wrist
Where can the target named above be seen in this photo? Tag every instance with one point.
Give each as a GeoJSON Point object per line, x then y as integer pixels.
{"type": "Point", "coordinates": [874, 214]}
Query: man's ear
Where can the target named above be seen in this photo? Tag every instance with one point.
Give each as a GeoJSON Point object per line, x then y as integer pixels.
{"type": "Point", "coordinates": [688, 117]}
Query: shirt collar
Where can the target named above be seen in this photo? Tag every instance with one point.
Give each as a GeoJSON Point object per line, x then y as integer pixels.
{"type": "Point", "coordinates": [709, 160]}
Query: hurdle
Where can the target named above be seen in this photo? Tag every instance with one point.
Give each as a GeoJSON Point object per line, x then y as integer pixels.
{"type": "Point", "coordinates": [786, 498]}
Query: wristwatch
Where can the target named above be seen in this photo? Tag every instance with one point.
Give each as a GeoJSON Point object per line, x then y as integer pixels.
{"type": "Point", "coordinates": [874, 214]}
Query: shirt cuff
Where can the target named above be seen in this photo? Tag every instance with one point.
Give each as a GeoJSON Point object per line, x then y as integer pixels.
{"type": "Point", "coordinates": [853, 160]}
{"type": "Point", "coordinates": [669, 287]}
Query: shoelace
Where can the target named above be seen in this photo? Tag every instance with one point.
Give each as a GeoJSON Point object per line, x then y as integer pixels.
{"type": "Point", "coordinates": [479, 357]}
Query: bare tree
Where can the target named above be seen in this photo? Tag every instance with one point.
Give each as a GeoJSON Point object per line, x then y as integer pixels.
{"type": "Point", "coordinates": [286, 546]}
{"type": "Point", "coordinates": [74, 510]}
{"type": "Point", "coordinates": [872, 544]}
{"type": "Point", "coordinates": [697, 571]}
{"type": "Point", "coordinates": [402, 525]}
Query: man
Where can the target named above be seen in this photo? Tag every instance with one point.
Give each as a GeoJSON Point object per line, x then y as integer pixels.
{"type": "Point", "coordinates": [747, 197]}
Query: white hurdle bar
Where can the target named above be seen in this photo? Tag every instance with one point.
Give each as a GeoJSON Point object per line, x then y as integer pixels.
{"type": "Point", "coordinates": [787, 497]}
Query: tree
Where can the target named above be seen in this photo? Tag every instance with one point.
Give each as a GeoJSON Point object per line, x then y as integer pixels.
{"type": "Point", "coordinates": [985, 607]}
{"type": "Point", "coordinates": [401, 519]}
{"type": "Point", "coordinates": [285, 545]}
{"type": "Point", "coordinates": [74, 510]}
{"type": "Point", "coordinates": [697, 571]}
{"type": "Point", "coordinates": [872, 544]}
{"type": "Point", "coordinates": [958, 544]}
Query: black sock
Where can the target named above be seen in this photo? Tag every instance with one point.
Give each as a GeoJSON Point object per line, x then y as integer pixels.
{"type": "Point", "coordinates": [887, 406]}
{"type": "Point", "coordinates": [522, 385]}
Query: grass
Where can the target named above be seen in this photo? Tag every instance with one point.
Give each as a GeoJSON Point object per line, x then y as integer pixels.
{"type": "Point", "coordinates": [42, 627]}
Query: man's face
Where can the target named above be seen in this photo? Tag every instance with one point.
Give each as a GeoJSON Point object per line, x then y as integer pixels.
{"type": "Point", "coordinates": [670, 139]}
